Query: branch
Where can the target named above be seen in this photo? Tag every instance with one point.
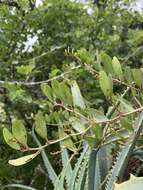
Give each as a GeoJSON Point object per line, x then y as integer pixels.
{"type": "Point", "coordinates": [93, 72]}
{"type": "Point", "coordinates": [84, 132]}
{"type": "Point", "coordinates": [109, 115]}
{"type": "Point", "coordinates": [40, 82]}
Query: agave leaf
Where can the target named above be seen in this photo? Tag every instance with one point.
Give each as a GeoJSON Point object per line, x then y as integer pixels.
{"type": "Point", "coordinates": [77, 166]}
{"type": "Point", "coordinates": [52, 174]}
{"type": "Point", "coordinates": [93, 170]}
{"type": "Point", "coordinates": [65, 160]}
{"type": "Point", "coordinates": [124, 155]}
{"type": "Point", "coordinates": [59, 185]}
{"type": "Point", "coordinates": [80, 182]}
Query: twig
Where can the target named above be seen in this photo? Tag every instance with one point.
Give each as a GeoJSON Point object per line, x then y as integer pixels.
{"type": "Point", "coordinates": [93, 71]}
{"type": "Point", "coordinates": [40, 82]}
{"type": "Point", "coordinates": [113, 110]}
{"type": "Point", "coordinates": [84, 132]}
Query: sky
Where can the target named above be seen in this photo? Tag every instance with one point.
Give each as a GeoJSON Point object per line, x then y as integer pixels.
{"type": "Point", "coordinates": [139, 5]}
{"type": "Point", "coordinates": [38, 2]}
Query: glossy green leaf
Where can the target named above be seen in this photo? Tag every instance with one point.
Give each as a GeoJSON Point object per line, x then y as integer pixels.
{"type": "Point", "coordinates": [117, 68]}
{"type": "Point", "coordinates": [23, 160]}
{"type": "Point", "coordinates": [19, 132]}
{"type": "Point", "coordinates": [76, 94]}
{"type": "Point", "coordinates": [10, 140]}
{"type": "Point", "coordinates": [40, 125]}
{"type": "Point", "coordinates": [105, 83]}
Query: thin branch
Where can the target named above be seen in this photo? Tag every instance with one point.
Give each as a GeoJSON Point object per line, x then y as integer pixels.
{"type": "Point", "coordinates": [40, 82]}
{"type": "Point", "coordinates": [121, 115]}
{"type": "Point", "coordinates": [84, 132]}
{"type": "Point", "coordinates": [93, 72]}
{"type": "Point", "coordinates": [73, 111]}
{"type": "Point", "coordinates": [113, 110]}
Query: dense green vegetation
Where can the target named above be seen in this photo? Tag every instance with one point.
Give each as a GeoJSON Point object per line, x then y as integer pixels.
{"type": "Point", "coordinates": [71, 101]}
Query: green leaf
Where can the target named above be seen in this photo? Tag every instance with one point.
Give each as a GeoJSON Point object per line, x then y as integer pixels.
{"type": "Point", "coordinates": [128, 75]}
{"type": "Point", "coordinates": [77, 97]}
{"type": "Point", "coordinates": [47, 91]}
{"type": "Point", "coordinates": [77, 125]}
{"type": "Point", "coordinates": [14, 91]}
{"type": "Point", "coordinates": [125, 106]}
{"type": "Point", "coordinates": [126, 123]}
{"type": "Point", "coordinates": [86, 56]}
{"type": "Point", "coordinates": [49, 168]}
{"type": "Point", "coordinates": [66, 94]}
{"type": "Point", "coordinates": [19, 132]}
{"type": "Point", "coordinates": [98, 131]}
{"type": "Point", "coordinates": [97, 115]}
{"type": "Point", "coordinates": [137, 76]}
{"type": "Point", "coordinates": [10, 140]}
{"type": "Point", "coordinates": [23, 160]}
{"type": "Point", "coordinates": [105, 83]}
{"type": "Point", "coordinates": [106, 62]}
{"type": "Point", "coordinates": [57, 90]}
{"type": "Point", "coordinates": [68, 143]}
{"type": "Point", "coordinates": [40, 125]}
{"type": "Point", "coordinates": [25, 69]}
{"type": "Point", "coordinates": [117, 68]}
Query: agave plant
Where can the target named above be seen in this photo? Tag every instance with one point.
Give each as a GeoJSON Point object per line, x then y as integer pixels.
{"type": "Point", "coordinates": [91, 171]}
